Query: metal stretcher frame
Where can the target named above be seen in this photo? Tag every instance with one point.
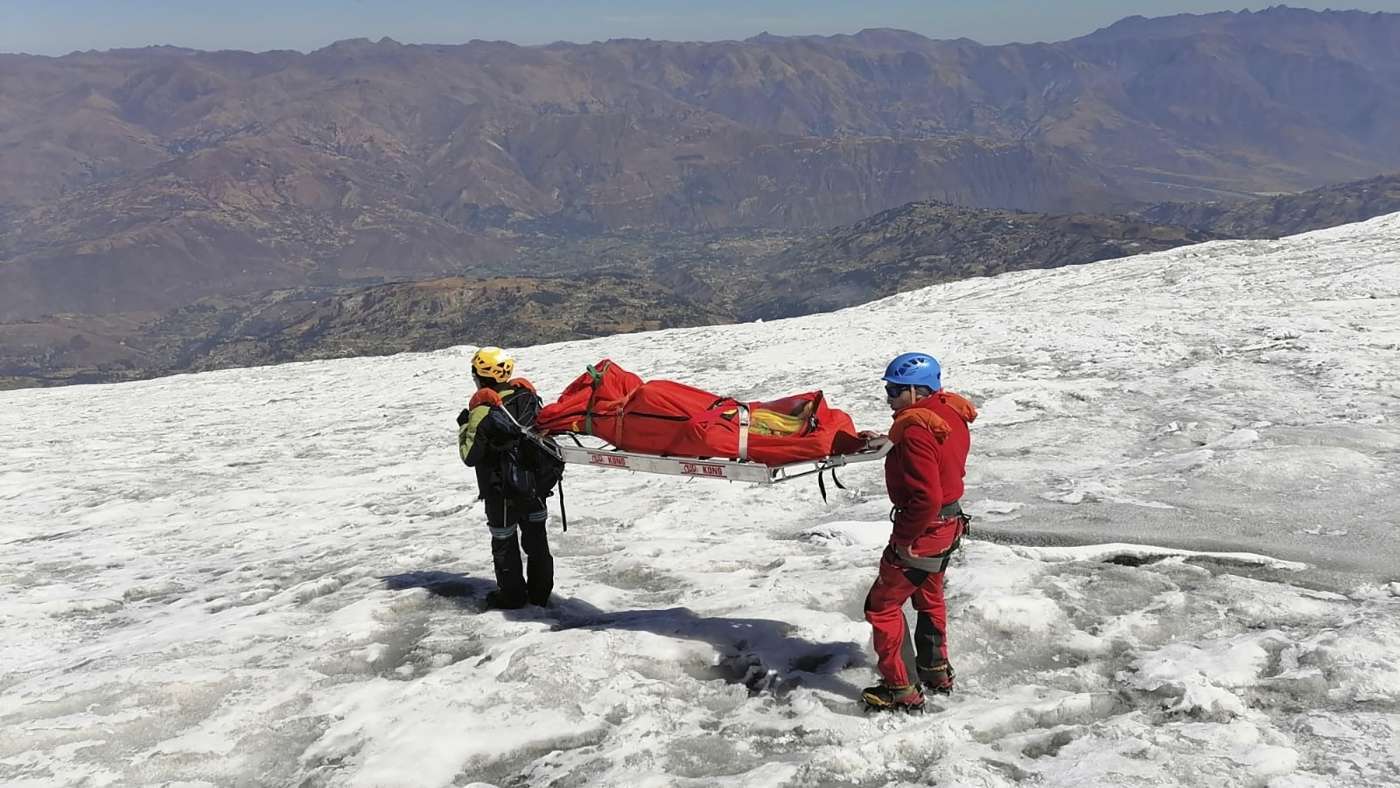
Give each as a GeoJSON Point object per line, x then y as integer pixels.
{"type": "Point", "coordinates": [729, 470]}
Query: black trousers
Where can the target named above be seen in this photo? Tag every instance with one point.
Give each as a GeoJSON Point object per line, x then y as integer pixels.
{"type": "Point", "coordinates": [515, 524]}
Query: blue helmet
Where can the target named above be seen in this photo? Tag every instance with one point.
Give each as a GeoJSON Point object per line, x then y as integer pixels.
{"type": "Point", "coordinates": [915, 369]}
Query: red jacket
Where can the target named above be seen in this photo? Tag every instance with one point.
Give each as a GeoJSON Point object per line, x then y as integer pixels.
{"type": "Point", "coordinates": [924, 471]}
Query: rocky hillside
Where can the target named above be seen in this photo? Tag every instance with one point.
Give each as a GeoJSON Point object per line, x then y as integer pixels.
{"type": "Point", "coordinates": [1287, 214]}
{"type": "Point", "coordinates": [143, 179]}
{"type": "Point", "coordinates": [926, 243]}
{"type": "Point", "coordinates": [631, 285]}
{"type": "Point", "coordinates": [282, 326]}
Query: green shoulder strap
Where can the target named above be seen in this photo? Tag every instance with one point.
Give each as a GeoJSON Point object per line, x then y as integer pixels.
{"type": "Point", "coordinates": [597, 377]}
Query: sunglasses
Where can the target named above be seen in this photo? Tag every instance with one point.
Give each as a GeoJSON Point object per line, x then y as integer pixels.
{"type": "Point", "coordinates": [893, 390]}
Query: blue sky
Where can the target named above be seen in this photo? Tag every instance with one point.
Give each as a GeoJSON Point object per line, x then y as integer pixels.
{"type": "Point", "coordinates": [53, 27]}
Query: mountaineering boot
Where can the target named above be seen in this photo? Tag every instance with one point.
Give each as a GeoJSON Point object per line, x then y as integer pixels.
{"type": "Point", "coordinates": [499, 600]}
{"type": "Point", "coordinates": [885, 697]}
{"type": "Point", "coordinates": [938, 678]}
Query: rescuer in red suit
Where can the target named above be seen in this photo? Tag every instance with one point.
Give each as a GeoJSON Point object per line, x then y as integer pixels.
{"type": "Point", "coordinates": [924, 477]}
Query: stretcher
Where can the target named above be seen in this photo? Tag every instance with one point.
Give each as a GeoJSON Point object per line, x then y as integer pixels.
{"type": "Point", "coordinates": [606, 457]}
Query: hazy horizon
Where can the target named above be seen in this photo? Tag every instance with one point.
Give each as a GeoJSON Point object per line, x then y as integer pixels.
{"type": "Point", "coordinates": [42, 28]}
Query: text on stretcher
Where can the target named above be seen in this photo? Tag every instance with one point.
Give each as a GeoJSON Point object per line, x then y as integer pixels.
{"type": "Point", "coordinates": [701, 469]}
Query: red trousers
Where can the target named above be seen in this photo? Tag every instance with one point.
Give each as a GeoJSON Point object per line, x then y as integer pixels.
{"type": "Point", "coordinates": [899, 660]}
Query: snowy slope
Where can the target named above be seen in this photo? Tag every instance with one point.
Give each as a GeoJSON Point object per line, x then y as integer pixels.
{"type": "Point", "coordinates": [270, 576]}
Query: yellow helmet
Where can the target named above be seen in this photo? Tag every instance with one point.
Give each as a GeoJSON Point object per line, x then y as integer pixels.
{"type": "Point", "coordinates": [493, 363]}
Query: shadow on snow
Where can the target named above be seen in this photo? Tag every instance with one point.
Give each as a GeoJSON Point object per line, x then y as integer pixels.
{"type": "Point", "coordinates": [759, 653]}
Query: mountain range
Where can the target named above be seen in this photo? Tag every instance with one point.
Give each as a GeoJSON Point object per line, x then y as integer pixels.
{"type": "Point", "coordinates": [166, 209]}
{"type": "Point", "coordinates": [139, 180]}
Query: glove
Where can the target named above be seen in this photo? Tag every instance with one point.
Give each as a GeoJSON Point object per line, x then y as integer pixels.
{"type": "Point", "coordinates": [870, 437]}
{"type": "Point", "coordinates": [464, 416]}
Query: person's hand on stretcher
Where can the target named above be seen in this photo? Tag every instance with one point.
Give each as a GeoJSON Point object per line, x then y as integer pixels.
{"type": "Point", "coordinates": [872, 439]}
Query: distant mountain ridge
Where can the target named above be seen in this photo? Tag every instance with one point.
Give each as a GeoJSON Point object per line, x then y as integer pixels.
{"type": "Point", "coordinates": [1287, 214]}
{"type": "Point", "coordinates": [926, 243]}
{"type": "Point", "coordinates": [146, 179]}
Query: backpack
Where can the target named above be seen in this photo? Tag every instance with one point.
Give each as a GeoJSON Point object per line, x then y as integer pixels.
{"type": "Point", "coordinates": [539, 465]}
